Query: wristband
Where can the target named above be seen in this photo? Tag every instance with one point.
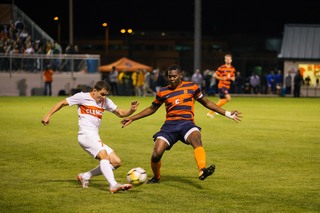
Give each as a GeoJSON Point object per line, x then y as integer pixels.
{"type": "Point", "coordinates": [228, 114]}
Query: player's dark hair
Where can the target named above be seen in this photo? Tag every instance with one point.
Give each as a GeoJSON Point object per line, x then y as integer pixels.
{"type": "Point", "coordinates": [174, 67]}
{"type": "Point", "coordinates": [99, 85]}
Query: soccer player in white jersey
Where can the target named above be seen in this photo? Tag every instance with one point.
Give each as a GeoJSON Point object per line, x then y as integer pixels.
{"type": "Point", "coordinates": [91, 106]}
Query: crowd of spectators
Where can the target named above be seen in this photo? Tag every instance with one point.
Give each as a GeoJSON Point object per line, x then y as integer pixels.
{"type": "Point", "coordinates": [15, 38]}
{"type": "Point", "coordinates": [272, 82]}
{"type": "Point", "coordinates": [137, 83]}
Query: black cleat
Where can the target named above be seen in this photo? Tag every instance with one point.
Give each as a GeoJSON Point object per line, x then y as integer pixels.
{"type": "Point", "coordinates": [205, 172]}
{"type": "Point", "coordinates": [153, 180]}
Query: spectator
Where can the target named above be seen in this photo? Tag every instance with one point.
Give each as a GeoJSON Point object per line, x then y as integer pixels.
{"type": "Point", "coordinates": [239, 83]}
{"type": "Point", "coordinates": [77, 62]}
{"type": "Point", "coordinates": [55, 51]}
{"type": "Point", "coordinates": [159, 80]}
{"type": "Point", "coordinates": [197, 78]}
{"type": "Point", "coordinates": [147, 84]}
{"type": "Point", "coordinates": [255, 83]}
{"type": "Point", "coordinates": [298, 80]}
{"type": "Point", "coordinates": [271, 82]}
{"type": "Point", "coordinates": [288, 82]}
{"type": "Point", "coordinates": [69, 49]}
{"type": "Point", "coordinates": [29, 62]}
{"type": "Point", "coordinates": [48, 78]}
{"type": "Point", "coordinates": [113, 79]}
{"type": "Point", "coordinates": [213, 84]}
{"type": "Point", "coordinates": [23, 35]}
{"type": "Point", "coordinates": [66, 66]}
{"type": "Point", "coordinates": [278, 81]}
{"type": "Point", "coordinates": [138, 82]}
{"type": "Point", "coordinates": [207, 81]}
{"type": "Point", "coordinates": [263, 83]}
{"type": "Point", "coordinates": [19, 25]}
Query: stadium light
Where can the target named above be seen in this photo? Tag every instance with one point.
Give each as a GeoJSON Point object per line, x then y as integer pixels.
{"type": "Point", "coordinates": [129, 31]}
{"type": "Point", "coordinates": [126, 33]}
{"type": "Point", "coordinates": [105, 25]}
{"type": "Point", "coordinates": [56, 18]}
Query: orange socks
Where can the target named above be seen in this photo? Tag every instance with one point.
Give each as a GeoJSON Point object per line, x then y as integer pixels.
{"type": "Point", "coordinates": [221, 102]}
{"type": "Point", "coordinates": [156, 169]}
{"type": "Point", "coordinates": [200, 157]}
{"type": "Point", "coordinates": [210, 112]}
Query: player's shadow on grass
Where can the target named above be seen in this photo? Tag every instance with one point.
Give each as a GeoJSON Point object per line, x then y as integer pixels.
{"type": "Point", "coordinates": [187, 181]}
{"type": "Point", "coordinates": [174, 180]}
{"type": "Point", "coordinates": [180, 182]}
{"type": "Point", "coordinates": [104, 186]}
{"type": "Point", "coordinates": [168, 180]}
{"type": "Point", "coordinates": [94, 185]}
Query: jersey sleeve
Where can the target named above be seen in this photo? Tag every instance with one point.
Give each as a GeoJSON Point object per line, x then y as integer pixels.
{"type": "Point", "coordinates": [110, 105]}
{"type": "Point", "coordinates": [75, 99]}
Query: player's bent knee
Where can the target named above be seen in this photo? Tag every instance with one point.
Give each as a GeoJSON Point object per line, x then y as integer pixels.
{"type": "Point", "coordinates": [116, 163]}
{"type": "Point", "coordinates": [155, 158]}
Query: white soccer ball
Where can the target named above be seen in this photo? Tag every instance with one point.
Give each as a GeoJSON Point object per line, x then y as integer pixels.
{"type": "Point", "coordinates": [137, 176]}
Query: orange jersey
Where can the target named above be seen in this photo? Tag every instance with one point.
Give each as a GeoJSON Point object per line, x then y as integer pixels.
{"type": "Point", "coordinates": [179, 102]}
{"type": "Point", "coordinates": [47, 74]}
{"type": "Point", "coordinates": [228, 72]}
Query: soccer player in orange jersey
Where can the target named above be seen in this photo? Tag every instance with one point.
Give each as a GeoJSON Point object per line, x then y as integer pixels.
{"type": "Point", "coordinates": [225, 74]}
{"type": "Point", "coordinates": [179, 97]}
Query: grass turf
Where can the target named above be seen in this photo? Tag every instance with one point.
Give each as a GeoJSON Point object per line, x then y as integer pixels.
{"type": "Point", "coordinates": [269, 162]}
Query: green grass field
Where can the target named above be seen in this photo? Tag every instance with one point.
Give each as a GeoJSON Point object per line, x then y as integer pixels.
{"type": "Point", "coordinates": [269, 162]}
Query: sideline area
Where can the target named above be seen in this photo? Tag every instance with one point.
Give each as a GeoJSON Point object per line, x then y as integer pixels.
{"type": "Point", "coordinates": [27, 84]}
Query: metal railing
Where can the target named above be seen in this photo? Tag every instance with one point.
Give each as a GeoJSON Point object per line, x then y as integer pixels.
{"type": "Point", "coordinates": [59, 62]}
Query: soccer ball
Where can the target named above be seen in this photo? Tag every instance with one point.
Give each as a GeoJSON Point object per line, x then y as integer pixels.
{"type": "Point", "coordinates": [137, 176]}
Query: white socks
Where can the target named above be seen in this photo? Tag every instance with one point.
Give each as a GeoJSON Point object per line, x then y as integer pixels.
{"type": "Point", "coordinates": [107, 172]}
{"type": "Point", "coordinates": [95, 172]}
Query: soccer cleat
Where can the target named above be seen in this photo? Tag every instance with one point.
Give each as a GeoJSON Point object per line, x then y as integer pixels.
{"type": "Point", "coordinates": [205, 172]}
{"type": "Point", "coordinates": [84, 182]}
{"type": "Point", "coordinates": [209, 115]}
{"type": "Point", "coordinates": [115, 188]}
{"type": "Point", "coordinates": [153, 180]}
{"type": "Point", "coordinates": [126, 186]}
{"type": "Point", "coordinates": [120, 187]}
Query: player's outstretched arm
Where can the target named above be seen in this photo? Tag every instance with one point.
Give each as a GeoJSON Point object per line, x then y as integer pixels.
{"type": "Point", "coordinates": [46, 119]}
{"type": "Point", "coordinates": [144, 113]}
{"type": "Point", "coordinates": [234, 115]}
{"type": "Point", "coordinates": [126, 121]}
{"type": "Point", "coordinates": [124, 113]}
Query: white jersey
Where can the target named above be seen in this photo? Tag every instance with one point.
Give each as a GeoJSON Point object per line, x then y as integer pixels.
{"type": "Point", "coordinates": [89, 112]}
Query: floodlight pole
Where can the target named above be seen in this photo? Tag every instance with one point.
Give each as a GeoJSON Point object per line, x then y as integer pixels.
{"type": "Point", "coordinates": [71, 22]}
{"type": "Point", "coordinates": [197, 35]}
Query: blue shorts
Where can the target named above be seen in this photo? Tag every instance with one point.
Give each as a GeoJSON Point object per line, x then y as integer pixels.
{"type": "Point", "coordinates": [173, 131]}
{"type": "Point", "coordinates": [223, 92]}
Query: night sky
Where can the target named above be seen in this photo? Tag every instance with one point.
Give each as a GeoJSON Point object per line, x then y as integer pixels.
{"type": "Point", "coordinates": [218, 17]}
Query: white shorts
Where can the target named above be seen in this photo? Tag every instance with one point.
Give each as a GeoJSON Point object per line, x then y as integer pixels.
{"type": "Point", "coordinates": [90, 141]}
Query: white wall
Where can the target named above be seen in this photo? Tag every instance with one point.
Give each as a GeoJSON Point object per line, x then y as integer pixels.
{"type": "Point", "coordinates": [61, 81]}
